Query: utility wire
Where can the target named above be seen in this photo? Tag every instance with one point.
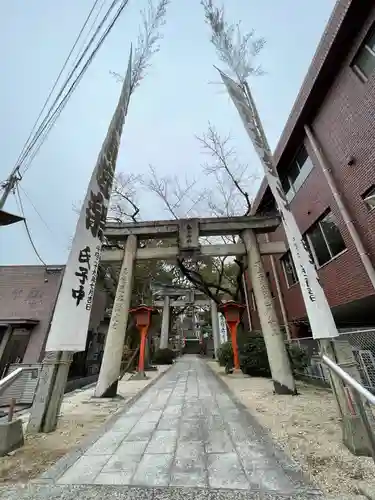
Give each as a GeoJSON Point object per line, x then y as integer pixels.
{"type": "Point", "coordinates": [58, 78]}
{"type": "Point", "coordinates": [20, 204]}
{"type": "Point", "coordinates": [49, 123]}
{"type": "Point", "coordinates": [81, 48]}
{"type": "Point", "coordinates": [46, 120]}
{"type": "Point", "coordinates": [38, 213]}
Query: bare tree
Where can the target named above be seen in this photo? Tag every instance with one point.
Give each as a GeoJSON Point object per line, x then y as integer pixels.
{"type": "Point", "coordinates": [123, 206]}
{"type": "Point", "coordinates": [232, 196]}
{"type": "Point", "coordinates": [180, 198]}
{"type": "Point", "coordinates": [180, 201]}
{"type": "Point", "coordinates": [123, 203]}
{"type": "Point", "coordinates": [232, 177]}
{"type": "Point", "coordinates": [229, 197]}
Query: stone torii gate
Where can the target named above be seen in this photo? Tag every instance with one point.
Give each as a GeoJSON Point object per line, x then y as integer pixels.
{"type": "Point", "coordinates": [186, 233]}
{"type": "Point", "coordinates": [184, 297]}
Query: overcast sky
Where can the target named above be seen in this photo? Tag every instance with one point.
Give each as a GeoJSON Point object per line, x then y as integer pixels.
{"type": "Point", "coordinates": [173, 103]}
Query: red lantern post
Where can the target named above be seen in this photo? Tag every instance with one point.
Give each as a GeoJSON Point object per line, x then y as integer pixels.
{"type": "Point", "coordinates": [233, 312]}
{"type": "Point", "coordinates": [143, 320]}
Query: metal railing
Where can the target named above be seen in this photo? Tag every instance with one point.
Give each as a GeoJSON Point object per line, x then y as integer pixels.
{"type": "Point", "coordinates": [362, 341]}
{"type": "Point", "coordinates": [9, 379]}
{"type": "Point", "coordinates": [358, 392]}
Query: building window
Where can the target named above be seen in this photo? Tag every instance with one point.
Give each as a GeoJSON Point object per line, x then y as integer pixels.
{"type": "Point", "coordinates": [364, 61]}
{"type": "Point", "coordinates": [369, 198]}
{"type": "Point", "coordinates": [269, 284]}
{"type": "Point", "coordinates": [296, 174]}
{"type": "Point", "coordinates": [289, 269]}
{"type": "Point", "coordinates": [325, 239]}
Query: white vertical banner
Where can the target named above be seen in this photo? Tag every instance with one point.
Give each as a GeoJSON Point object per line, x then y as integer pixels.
{"type": "Point", "coordinates": [223, 331]}
{"type": "Point", "coordinates": [317, 307]}
{"type": "Point", "coordinates": [71, 318]}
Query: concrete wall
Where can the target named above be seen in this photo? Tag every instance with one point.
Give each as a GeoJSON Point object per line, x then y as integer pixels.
{"type": "Point", "coordinates": [30, 292]}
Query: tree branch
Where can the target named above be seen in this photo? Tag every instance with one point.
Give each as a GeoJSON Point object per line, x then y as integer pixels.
{"type": "Point", "coordinates": [173, 195]}
{"type": "Point", "coordinates": [224, 156]}
{"type": "Point", "coordinates": [160, 187]}
{"type": "Point", "coordinates": [123, 206]}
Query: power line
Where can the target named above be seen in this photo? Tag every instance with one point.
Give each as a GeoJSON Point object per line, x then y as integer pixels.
{"type": "Point", "coordinates": [15, 175]}
{"type": "Point", "coordinates": [38, 212]}
{"type": "Point", "coordinates": [58, 77]}
{"type": "Point", "coordinates": [68, 237]}
{"type": "Point", "coordinates": [89, 31]}
{"type": "Point", "coordinates": [47, 118]}
{"type": "Point", "coordinates": [49, 123]}
{"type": "Point", "coordinates": [20, 204]}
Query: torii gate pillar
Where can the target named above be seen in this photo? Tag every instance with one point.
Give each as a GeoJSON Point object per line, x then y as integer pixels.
{"type": "Point", "coordinates": [106, 386]}
{"type": "Point", "coordinates": [164, 336]}
{"type": "Point", "coordinates": [281, 371]}
{"type": "Point", "coordinates": [215, 327]}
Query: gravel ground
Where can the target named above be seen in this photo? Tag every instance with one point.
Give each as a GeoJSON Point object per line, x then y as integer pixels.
{"type": "Point", "coordinates": [80, 416]}
{"type": "Point", "coordinates": [43, 450]}
{"type": "Point", "coordinates": [307, 428]}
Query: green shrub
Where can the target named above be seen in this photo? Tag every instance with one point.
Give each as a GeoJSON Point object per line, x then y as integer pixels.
{"type": "Point", "coordinates": [298, 356]}
{"type": "Point", "coordinates": [253, 357]}
{"type": "Point", "coordinates": [164, 357]}
{"type": "Point", "coordinates": [225, 353]}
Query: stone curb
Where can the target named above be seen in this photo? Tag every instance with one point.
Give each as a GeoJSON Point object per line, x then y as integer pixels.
{"type": "Point", "coordinates": [61, 466]}
{"type": "Point", "coordinates": [290, 467]}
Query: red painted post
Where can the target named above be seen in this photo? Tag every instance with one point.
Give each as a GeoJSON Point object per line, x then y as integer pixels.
{"type": "Point", "coordinates": [233, 333]}
{"type": "Point", "coordinates": [143, 331]}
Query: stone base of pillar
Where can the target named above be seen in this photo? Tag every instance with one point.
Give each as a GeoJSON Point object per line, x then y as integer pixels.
{"type": "Point", "coordinates": [50, 392]}
{"type": "Point", "coordinates": [111, 391]}
{"type": "Point", "coordinates": [139, 376]}
{"type": "Point", "coordinates": [237, 374]}
{"type": "Point", "coordinates": [283, 389]}
{"type": "Point", "coordinates": [354, 436]}
{"type": "Point", "coordinates": [43, 392]}
{"type": "Point", "coordinates": [54, 407]}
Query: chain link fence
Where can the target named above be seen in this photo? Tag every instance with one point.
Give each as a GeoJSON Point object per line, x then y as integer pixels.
{"type": "Point", "coordinates": [362, 342]}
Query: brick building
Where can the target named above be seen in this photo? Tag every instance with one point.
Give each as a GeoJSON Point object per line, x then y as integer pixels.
{"type": "Point", "coordinates": [28, 296]}
{"type": "Point", "coordinates": [326, 162]}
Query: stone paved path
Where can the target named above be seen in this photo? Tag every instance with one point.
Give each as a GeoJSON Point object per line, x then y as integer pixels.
{"type": "Point", "coordinates": [187, 431]}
